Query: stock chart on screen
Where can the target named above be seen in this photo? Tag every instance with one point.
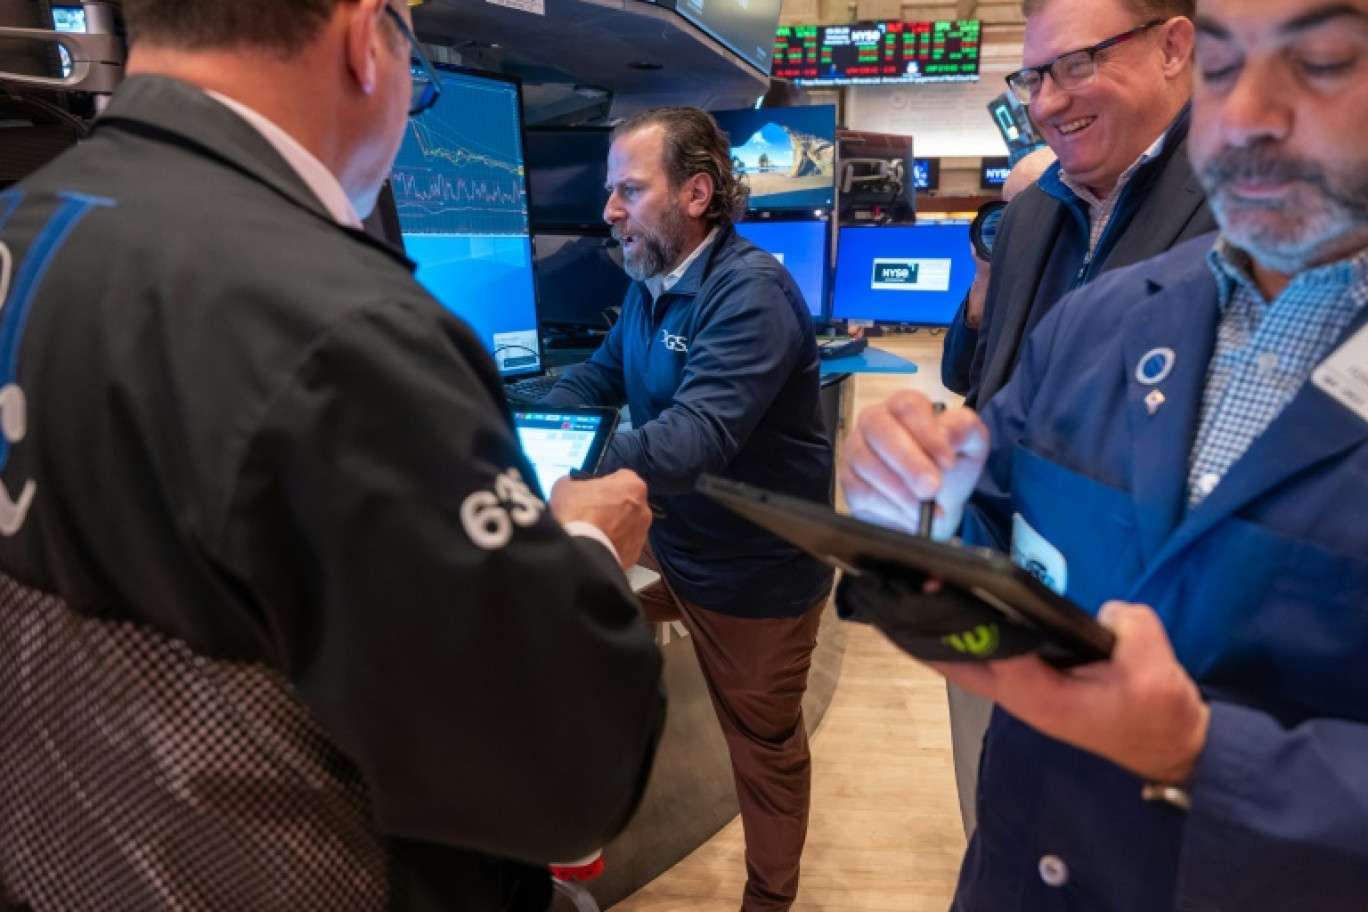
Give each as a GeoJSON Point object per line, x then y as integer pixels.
{"type": "Point", "coordinates": [460, 189]}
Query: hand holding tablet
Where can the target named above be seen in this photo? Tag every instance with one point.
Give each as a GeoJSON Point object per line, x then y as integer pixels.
{"type": "Point", "coordinates": [986, 607]}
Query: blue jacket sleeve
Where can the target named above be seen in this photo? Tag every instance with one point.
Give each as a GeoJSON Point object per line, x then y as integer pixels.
{"type": "Point", "coordinates": [957, 355]}
{"type": "Point", "coordinates": [741, 355]}
{"type": "Point", "coordinates": [1279, 816]}
{"type": "Point", "coordinates": [988, 515]}
{"type": "Point", "coordinates": [597, 381]}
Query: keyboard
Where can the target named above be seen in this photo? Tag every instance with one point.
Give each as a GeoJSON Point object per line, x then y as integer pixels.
{"type": "Point", "coordinates": [830, 349]}
{"type": "Point", "coordinates": [530, 389]}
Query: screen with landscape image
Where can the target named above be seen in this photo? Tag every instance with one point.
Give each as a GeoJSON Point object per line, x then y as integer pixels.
{"type": "Point", "coordinates": [787, 155]}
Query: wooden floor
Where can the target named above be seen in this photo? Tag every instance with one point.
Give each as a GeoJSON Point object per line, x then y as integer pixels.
{"type": "Point", "coordinates": [885, 832]}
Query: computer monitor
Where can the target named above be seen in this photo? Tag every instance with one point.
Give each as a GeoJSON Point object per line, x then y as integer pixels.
{"type": "Point", "coordinates": [746, 27]}
{"type": "Point", "coordinates": [804, 249]}
{"type": "Point", "coordinates": [993, 172]}
{"type": "Point", "coordinates": [68, 19]}
{"type": "Point", "coordinates": [567, 170]}
{"type": "Point", "coordinates": [787, 155]}
{"type": "Point", "coordinates": [878, 177]}
{"type": "Point", "coordinates": [460, 191]}
{"type": "Point", "coordinates": [926, 174]}
{"type": "Point", "coordinates": [914, 274]}
{"type": "Point", "coordinates": [578, 278]}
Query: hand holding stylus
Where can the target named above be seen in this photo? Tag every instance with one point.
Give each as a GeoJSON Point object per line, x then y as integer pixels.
{"type": "Point", "coordinates": [905, 456]}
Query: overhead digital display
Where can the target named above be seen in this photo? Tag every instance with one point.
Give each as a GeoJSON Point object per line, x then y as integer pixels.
{"type": "Point", "coordinates": [875, 53]}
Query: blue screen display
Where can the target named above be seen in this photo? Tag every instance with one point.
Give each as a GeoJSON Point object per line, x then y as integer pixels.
{"type": "Point", "coordinates": [788, 155]}
{"type": "Point", "coordinates": [460, 190]}
{"type": "Point", "coordinates": [902, 273]}
{"type": "Point", "coordinates": [802, 248]}
{"type": "Point", "coordinates": [67, 19]}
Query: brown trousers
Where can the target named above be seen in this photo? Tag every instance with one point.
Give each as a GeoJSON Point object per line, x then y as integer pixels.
{"type": "Point", "coordinates": [756, 670]}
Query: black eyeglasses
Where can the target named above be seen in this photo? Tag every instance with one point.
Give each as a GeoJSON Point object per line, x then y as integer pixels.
{"type": "Point", "coordinates": [1070, 70]}
{"type": "Point", "coordinates": [426, 85]}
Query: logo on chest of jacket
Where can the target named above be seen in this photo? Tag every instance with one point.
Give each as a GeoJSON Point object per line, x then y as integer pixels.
{"type": "Point", "coordinates": [672, 342]}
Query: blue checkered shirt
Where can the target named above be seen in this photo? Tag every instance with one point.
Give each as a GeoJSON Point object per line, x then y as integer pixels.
{"type": "Point", "coordinates": [1264, 353]}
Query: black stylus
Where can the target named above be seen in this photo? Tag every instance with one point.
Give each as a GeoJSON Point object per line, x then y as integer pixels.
{"type": "Point", "coordinates": [928, 507]}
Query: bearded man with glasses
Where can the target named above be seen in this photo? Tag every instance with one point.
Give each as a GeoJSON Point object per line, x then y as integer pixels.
{"type": "Point", "coordinates": [1107, 84]}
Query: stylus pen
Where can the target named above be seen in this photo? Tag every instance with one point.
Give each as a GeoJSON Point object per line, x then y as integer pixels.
{"type": "Point", "coordinates": [928, 507]}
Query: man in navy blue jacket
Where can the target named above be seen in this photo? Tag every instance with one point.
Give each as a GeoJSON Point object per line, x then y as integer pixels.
{"type": "Point", "coordinates": [716, 356]}
{"type": "Point", "coordinates": [1188, 434]}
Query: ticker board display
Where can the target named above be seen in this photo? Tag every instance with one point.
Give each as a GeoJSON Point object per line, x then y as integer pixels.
{"type": "Point", "coordinates": [874, 53]}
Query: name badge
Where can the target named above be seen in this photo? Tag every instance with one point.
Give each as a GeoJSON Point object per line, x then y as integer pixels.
{"type": "Point", "coordinates": [1033, 553]}
{"type": "Point", "coordinates": [1344, 375]}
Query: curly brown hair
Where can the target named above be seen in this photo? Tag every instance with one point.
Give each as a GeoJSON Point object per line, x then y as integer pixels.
{"type": "Point", "coordinates": [695, 144]}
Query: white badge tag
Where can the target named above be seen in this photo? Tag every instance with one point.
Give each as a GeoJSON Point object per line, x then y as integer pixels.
{"type": "Point", "coordinates": [1034, 554]}
{"type": "Point", "coordinates": [1344, 375]}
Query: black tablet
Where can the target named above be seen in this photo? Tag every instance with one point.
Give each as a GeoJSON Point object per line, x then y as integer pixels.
{"type": "Point", "coordinates": [1067, 634]}
{"type": "Point", "coordinates": [564, 439]}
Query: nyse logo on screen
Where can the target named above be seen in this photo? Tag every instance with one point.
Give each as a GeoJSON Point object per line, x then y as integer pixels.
{"type": "Point", "coordinates": [910, 275]}
{"type": "Point", "coordinates": [895, 272]}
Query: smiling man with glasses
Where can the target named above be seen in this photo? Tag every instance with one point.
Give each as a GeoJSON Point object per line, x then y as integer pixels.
{"type": "Point", "coordinates": [1107, 84]}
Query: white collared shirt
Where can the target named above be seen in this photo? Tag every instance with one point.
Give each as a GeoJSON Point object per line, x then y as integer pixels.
{"type": "Point", "coordinates": [313, 172]}
{"type": "Point", "coordinates": [658, 285]}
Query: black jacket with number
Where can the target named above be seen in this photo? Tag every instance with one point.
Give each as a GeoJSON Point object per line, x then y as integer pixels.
{"type": "Point", "coordinates": [242, 439]}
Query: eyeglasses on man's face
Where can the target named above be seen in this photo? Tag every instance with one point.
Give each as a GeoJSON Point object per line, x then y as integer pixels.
{"type": "Point", "coordinates": [1070, 70]}
{"type": "Point", "coordinates": [426, 85]}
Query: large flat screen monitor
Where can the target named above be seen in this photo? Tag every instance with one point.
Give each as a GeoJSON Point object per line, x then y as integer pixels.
{"type": "Point", "coordinates": [788, 155]}
{"type": "Point", "coordinates": [805, 250]}
{"type": "Point", "coordinates": [914, 274]}
{"type": "Point", "coordinates": [567, 170]}
{"type": "Point", "coordinates": [744, 26]}
{"type": "Point", "coordinates": [877, 52]}
{"type": "Point", "coordinates": [578, 278]}
{"type": "Point", "coordinates": [460, 191]}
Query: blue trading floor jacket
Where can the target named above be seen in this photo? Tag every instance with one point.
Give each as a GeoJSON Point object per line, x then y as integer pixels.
{"type": "Point", "coordinates": [722, 376]}
{"type": "Point", "coordinates": [1263, 589]}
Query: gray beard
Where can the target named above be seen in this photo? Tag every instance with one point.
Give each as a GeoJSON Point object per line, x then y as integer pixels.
{"type": "Point", "coordinates": [1303, 234]}
{"type": "Point", "coordinates": [657, 252]}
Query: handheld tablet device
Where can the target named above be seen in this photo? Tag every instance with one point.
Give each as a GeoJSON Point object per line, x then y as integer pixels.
{"type": "Point", "coordinates": [1062, 633]}
{"type": "Point", "coordinates": [564, 439]}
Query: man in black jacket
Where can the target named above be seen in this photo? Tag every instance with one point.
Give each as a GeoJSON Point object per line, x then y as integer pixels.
{"type": "Point", "coordinates": [1107, 82]}
{"type": "Point", "coordinates": [282, 624]}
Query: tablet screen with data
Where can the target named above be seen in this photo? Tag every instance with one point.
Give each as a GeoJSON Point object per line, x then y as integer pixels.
{"type": "Point", "coordinates": [559, 441]}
